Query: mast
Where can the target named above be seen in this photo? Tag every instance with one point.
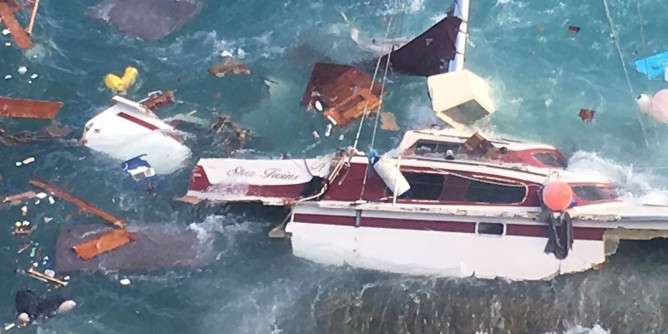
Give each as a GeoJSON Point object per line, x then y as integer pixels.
{"type": "Point", "coordinates": [461, 10]}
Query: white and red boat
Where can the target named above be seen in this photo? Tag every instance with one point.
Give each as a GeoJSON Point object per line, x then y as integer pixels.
{"type": "Point", "coordinates": [445, 202]}
{"type": "Point", "coordinates": [129, 129]}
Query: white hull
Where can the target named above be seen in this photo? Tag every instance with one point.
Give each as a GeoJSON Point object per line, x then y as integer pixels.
{"type": "Point", "coordinates": [434, 253]}
{"type": "Point", "coordinates": [127, 129]}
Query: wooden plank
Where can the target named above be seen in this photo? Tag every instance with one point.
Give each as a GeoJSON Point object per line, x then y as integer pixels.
{"type": "Point", "coordinates": [103, 243]}
{"type": "Point", "coordinates": [31, 23]}
{"type": "Point", "coordinates": [25, 108]}
{"type": "Point", "coordinates": [83, 205]}
{"type": "Point", "coordinates": [20, 36]}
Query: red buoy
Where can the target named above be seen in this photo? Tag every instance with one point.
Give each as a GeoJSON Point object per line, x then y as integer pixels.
{"type": "Point", "coordinates": [557, 195]}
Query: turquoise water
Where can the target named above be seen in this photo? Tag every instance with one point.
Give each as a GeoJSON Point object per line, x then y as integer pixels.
{"type": "Point", "coordinates": [539, 78]}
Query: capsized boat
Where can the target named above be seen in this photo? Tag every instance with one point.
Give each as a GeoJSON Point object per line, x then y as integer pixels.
{"type": "Point", "coordinates": [129, 129]}
{"type": "Point", "coordinates": [445, 202]}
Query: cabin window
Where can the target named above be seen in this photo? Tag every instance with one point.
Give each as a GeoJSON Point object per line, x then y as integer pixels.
{"type": "Point", "coordinates": [593, 193]}
{"type": "Point", "coordinates": [424, 186]}
{"type": "Point", "coordinates": [495, 192]}
{"type": "Point", "coordinates": [490, 228]}
{"type": "Point", "coordinates": [550, 159]}
{"type": "Point", "coordinates": [428, 148]}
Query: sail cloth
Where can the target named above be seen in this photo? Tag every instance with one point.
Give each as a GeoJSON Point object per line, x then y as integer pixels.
{"type": "Point", "coordinates": [429, 53]}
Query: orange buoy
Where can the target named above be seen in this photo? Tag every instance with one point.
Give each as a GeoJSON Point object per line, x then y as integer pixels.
{"type": "Point", "coordinates": [557, 195]}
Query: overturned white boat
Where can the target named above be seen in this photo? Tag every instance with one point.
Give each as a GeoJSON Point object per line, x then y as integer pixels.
{"type": "Point", "coordinates": [129, 129]}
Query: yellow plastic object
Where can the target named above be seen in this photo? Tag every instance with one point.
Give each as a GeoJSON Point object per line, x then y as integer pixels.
{"type": "Point", "coordinates": [113, 82]}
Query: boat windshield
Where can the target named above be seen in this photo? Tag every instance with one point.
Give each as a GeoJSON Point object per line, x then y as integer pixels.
{"type": "Point", "coordinates": [589, 193]}
{"type": "Point", "coordinates": [550, 159]}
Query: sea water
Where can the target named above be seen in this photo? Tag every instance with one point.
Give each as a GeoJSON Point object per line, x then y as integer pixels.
{"type": "Point", "coordinates": [540, 75]}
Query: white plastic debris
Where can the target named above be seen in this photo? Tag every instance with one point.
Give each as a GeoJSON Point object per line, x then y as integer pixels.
{"type": "Point", "coordinates": [24, 210]}
{"type": "Point", "coordinates": [315, 134]}
{"type": "Point", "coordinates": [11, 325]}
{"type": "Point", "coordinates": [41, 195]}
{"type": "Point", "coordinates": [8, 76]}
{"type": "Point", "coordinates": [34, 76]}
{"type": "Point", "coordinates": [28, 160]}
{"type": "Point", "coordinates": [51, 200]}
{"type": "Point", "coordinates": [125, 281]}
{"type": "Point", "coordinates": [26, 223]}
{"type": "Point", "coordinates": [67, 278]}
{"type": "Point", "coordinates": [5, 32]}
{"type": "Point", "coordinates": [341, 137]}
{"type": "Point", "coordinates": [328, 131]}
{"type": "Point", "coordinates": [22, 70]}
{"type": "Point", "coordinates": [8, 44]}
{"type": "Point", "coordinates": [47, 220]}
{"type": "Point", "coordinates": [18, 163]}
{"type": "Point", "coordinates": [37, 202]}
{"type": "Point", "coordinates": [49, 273]}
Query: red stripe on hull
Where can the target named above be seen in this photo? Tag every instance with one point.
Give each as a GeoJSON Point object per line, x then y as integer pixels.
{"type": "Point", "coordinates": [538, 231]}
{"type": "Point", "coordinates": [137, 121]}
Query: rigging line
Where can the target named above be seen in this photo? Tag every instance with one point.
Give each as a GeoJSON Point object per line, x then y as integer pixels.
{"type": "Point", "coordinates": [613, 34]}
{"type": "Point", "coordinates": [373, 81]}
{"type": "Point", "coordinates": [646, 48]}
{"type": "Point", "coordinates": [373, 138]}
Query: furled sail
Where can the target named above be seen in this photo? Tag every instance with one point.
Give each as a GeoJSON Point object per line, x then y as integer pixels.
{"type": "Point", "coordinates": [431, 52]}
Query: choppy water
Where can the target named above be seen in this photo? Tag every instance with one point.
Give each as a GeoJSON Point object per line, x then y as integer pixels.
{"type": "Point", "coordinates": [540, 79]}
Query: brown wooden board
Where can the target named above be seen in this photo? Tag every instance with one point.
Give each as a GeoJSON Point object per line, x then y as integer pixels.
{"type": "Point", "coordinates": [20, 36]}
{"type": "Point", "coordinates": [103, 243]}
{"type": "Point", "coordinates": [344, 91]}
{"type": "Point", "coordinates": [83, 205]}
{"type": "Point", "coordinates": [25, 108]}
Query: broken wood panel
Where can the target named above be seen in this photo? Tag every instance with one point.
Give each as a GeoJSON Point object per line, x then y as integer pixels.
{"type": "Point", "coordinates": [20, 36]}
{"type": "Point", "coordinates": [83, 205]}
{"type": "Point", "coordinates": [26, 108]}
{"type": "Point", "coordinates": [103, 243]}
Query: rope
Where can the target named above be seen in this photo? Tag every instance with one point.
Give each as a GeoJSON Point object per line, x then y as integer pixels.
{"type": "Point", "coordinates": [613, 34]}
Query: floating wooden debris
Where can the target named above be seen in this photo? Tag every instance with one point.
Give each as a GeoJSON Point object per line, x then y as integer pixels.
{"type": "Point", "coordinates": [44, 277]}
{"type": "Point", "coordinates": [388, 121]}
{"type": "Point", "coordinates": [7, 9]}
{"type": "Point", "coordinates": [51, 131]}
{"type": "Point", "coordinates": [540, 27]}
{"type": "Point", "coordinates": [574, 29]}
{"type": "Point", "coordinates": [18, 198]}
{"type": "Point", "coordinates": [158, 99]}
{"type": "Point", "coordinates": [586, 114]}
{"type": "Point", "coordinates": [103, 243]}
{"type": "Point", "coordinates": [341, 92]}
{"type": "Point", "coordinates": [83, 205]}
{"type": "Point", "coordinates": [26, 108]}
{"type": "Point", "coordinates": [228, 66]}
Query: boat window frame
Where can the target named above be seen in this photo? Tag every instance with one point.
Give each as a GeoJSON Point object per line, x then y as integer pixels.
{"type": "Point", "coordinates": [493, 235]}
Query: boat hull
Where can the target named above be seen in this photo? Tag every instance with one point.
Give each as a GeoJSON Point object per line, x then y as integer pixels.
{"type": "Point", "coordinates": [436, 244]}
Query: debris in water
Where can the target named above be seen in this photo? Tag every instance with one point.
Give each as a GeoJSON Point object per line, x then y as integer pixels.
{"type": "Point", "coordinates": [22, 70]}
{"type": "Point", "coordinates": [125, 281]}
{"type": "Point", "coordinates": [83, 205]}
{"type": "Point", "coordinates": [540, 27]}
{"type": "Point", "coordinates": [44, 277]}
{"type": "Point", "coordinates": [104, 242]}
{"type": "Point", "coordinates": [158, 99]}
{"type": "Point", "coordinates": [586, 114]}
{"type": "Point", "coordinates": [341, 92]}
{"type": "Point", "coordinates": [388, 121]}
{"type": "Point", "coordinates": [121, 84]}
{"type": "Point", "coordinates": [574, 30]}
{"type": "Point", "coordinates": [27, 108]}
{"type": "Point", "coordinates": [228, 66]}
{"type": "Point", "coordinates": [138, 168]}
